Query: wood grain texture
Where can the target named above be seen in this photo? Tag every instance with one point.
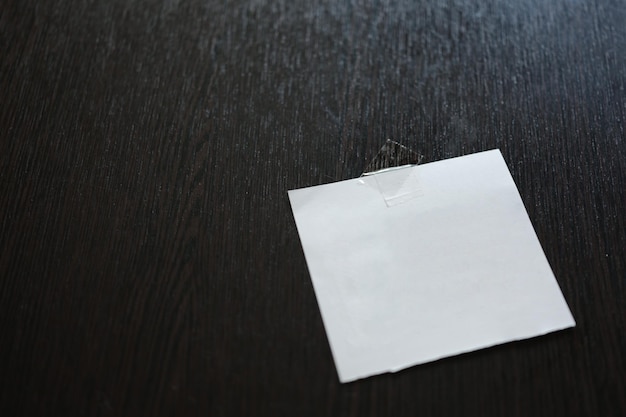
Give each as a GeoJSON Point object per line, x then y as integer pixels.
{"type": "Point", "coordinates": [149, 261]}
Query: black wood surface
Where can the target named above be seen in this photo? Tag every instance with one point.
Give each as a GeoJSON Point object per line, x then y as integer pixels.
{"type": "Point", "coordinates": [149, 260]}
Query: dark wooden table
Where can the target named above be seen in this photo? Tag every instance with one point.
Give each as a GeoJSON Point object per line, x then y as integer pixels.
{"type": "Point", "coordinates": [149, 260]}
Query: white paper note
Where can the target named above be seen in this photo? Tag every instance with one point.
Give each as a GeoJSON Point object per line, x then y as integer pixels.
{"type": "Point", "coordinates": [416, 264]}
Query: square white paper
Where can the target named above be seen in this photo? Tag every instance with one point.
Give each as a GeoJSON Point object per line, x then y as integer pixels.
{"type": "Point", "coordinates": [419, 263]}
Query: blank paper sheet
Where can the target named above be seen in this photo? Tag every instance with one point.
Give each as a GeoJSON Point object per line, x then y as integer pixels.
{"type": "Point", "coordinates": [415, 264]}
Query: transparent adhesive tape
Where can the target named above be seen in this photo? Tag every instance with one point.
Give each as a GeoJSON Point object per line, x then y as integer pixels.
{"type": "Point", "coordinates": [394, 170]}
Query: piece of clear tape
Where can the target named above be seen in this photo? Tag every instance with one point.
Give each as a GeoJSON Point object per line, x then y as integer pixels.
{"type": "Point", "coordinates": [397, 185]}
